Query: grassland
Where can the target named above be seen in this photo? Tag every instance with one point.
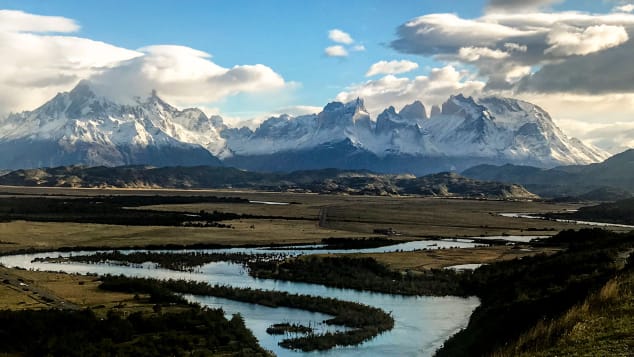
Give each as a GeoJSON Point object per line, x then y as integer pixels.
{"type": "Point", "coordinates": [602, 325]}
{"type": "Point", "coordinates": [299, 222]}
{"type": "Point", "coordinates": [435, 259]}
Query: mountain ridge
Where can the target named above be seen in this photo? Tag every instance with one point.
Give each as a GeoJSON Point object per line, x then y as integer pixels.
{"type": "Point", "coordinates": [357, 182]}
{"type": "Point", "coordinates": [82, 127]}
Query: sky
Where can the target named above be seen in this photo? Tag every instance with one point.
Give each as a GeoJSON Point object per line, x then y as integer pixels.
{"type": "Point", "coordinates": [247, 60]}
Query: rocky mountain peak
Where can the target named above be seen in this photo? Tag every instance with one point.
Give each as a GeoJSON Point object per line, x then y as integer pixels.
{"type": "Point", "coordinates": [414, 111]}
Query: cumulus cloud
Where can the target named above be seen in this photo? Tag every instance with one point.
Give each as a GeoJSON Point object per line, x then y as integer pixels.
{"type": "Point", "coordinates": [505, 46]}
{"type": "Point", "coordinates": [184, 76]}
{"type": "Point", "coordinates": [391, 67]}
{"type": "Point", "coordinates": [342, 38]}
{"type": "Point", "coordinates": [399, 91]}
{"type": "Point", "coordinates": [35, 65]}
{"type": "Point", "coordinates": [566, 41]}
{"type": "Point", "coordinates": [336, 51]}
{"type": "Point", "coordinates": [472, 54]}
{"type": "Point", "coordinates": [40, 57]}
{"type": "Point", "coordinates": [339, 36]}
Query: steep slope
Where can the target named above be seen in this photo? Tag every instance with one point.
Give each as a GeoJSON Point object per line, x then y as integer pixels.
{"type": "Point", "coordinates": [82, 127]}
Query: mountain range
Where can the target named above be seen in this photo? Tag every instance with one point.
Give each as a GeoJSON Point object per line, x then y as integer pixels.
{"type": "Point", "coordinates": [83, 127]}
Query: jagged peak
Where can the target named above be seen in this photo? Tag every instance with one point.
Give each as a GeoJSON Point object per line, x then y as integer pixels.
{"type": "Point", "coordinates": [82, 89]}
{"type": "Point", "coordinates": [154, 99]}
{"type": "Point", "coordinates": [460, 104]}
{"type": "Point", "coordinates": [414, 111]}
{"type": "Point", "coordinates": [358, 105]}
{"type": "Point", "coordinates": [389, 110]}
{"type": "Point", "coordinates": [435, 110]}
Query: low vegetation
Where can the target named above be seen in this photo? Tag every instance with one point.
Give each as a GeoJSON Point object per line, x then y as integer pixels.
{"type": "Point", "coordinates": [366, 321]}
{"type": "Point", "coordinates": [361, 274]}
{"type": "Point", "coordinates": [174, 261]}
{"type": "Point", "coordinates": [112, 210]}
{"type": "Point", "coordinates": [620, 212]}
{"type": "Point", "coordinates": [195, 331]}
{"type": "Point", "coordinates": [283, 328]}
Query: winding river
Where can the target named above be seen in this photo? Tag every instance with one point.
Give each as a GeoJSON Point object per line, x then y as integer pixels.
{"type": "Point", "coordinates": [422, 323]}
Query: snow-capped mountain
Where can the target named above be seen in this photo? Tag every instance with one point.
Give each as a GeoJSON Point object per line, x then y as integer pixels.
{"type": "Point", "coordinates": [82, 127]}
{"type": "Point", "coordinates": [459, 134]}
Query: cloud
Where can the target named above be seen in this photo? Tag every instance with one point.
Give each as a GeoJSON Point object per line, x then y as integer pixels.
{"type": "Point", "coordinates": [339, 36]}
{"type": "Point", "coordinates": [18, 21]}
{"type": "Point", "coordinates": [510, 49]}
{"type": "Point", "coordinates": [601, 120]}
{"type": "Point", "coordinates": [566, 41]}
{"type": "Point", "coordinates": [336, 51]}
{"type": "Point", "coordinates": [399, 91]}
{"type": "Point", "coordinates": [358, 48]}
{"type": "Point", "coordinates": [36, 65]}
{"type": "Point", "coordinates": [624, 8]}
{"type": "Point", "coordinates": [391, 67]}
{"type": "Point", "coordinates": [472, 54]}
{"type": "Point", "coordinates": [184, 76]}
{"type": "Point", "coordinates": [517, 5]}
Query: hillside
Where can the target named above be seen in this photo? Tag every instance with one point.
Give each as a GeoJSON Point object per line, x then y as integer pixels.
{"type": "Point", "coordinates": [321, 181]}
{"type": "Point", "coordinates": [609, 180]}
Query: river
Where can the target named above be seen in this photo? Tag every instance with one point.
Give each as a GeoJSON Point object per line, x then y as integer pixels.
{"type": "Point", "coordinates": [422, 323]}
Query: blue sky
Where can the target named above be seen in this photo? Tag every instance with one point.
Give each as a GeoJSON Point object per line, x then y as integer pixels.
{"type": "Point", "coordinates": [289, 38]}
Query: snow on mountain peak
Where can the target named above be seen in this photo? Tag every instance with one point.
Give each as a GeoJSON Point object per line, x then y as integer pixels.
{"type": "Point", "coordinates": [414, 111]}
{"type": "Point", "coordinates": [491, 128]}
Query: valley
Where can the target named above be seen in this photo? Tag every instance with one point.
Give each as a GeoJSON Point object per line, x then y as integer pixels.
{"type": "Point", "coordinates": [270, 223]}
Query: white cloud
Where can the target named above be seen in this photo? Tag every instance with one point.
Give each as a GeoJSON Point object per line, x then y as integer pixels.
{"type": "Point", "coordinates": [358, 48]}
{"type": "Point", "coordinates": [18, 21]}
{"type": "Point", "coordinates": [35, 65]}
{"type": "Point", "coordinates": [624, 8]}
{"type": "Point", "coordinates": [391, 67]}
{"type": "Point", "coordinates": [515, 47]}
{"type": "Point", "coordinates": [398, 91]}
{"type": "Point", "coordinates": [566, 41]}
{"type": "Point", "coordinates": [339, 36]}
{"type": "Point", "coordinates": [472, 54]}
{"type": "Point", "coordinates": [183, 76]}
{"type": "Point", "coordinates": [336, 51]}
